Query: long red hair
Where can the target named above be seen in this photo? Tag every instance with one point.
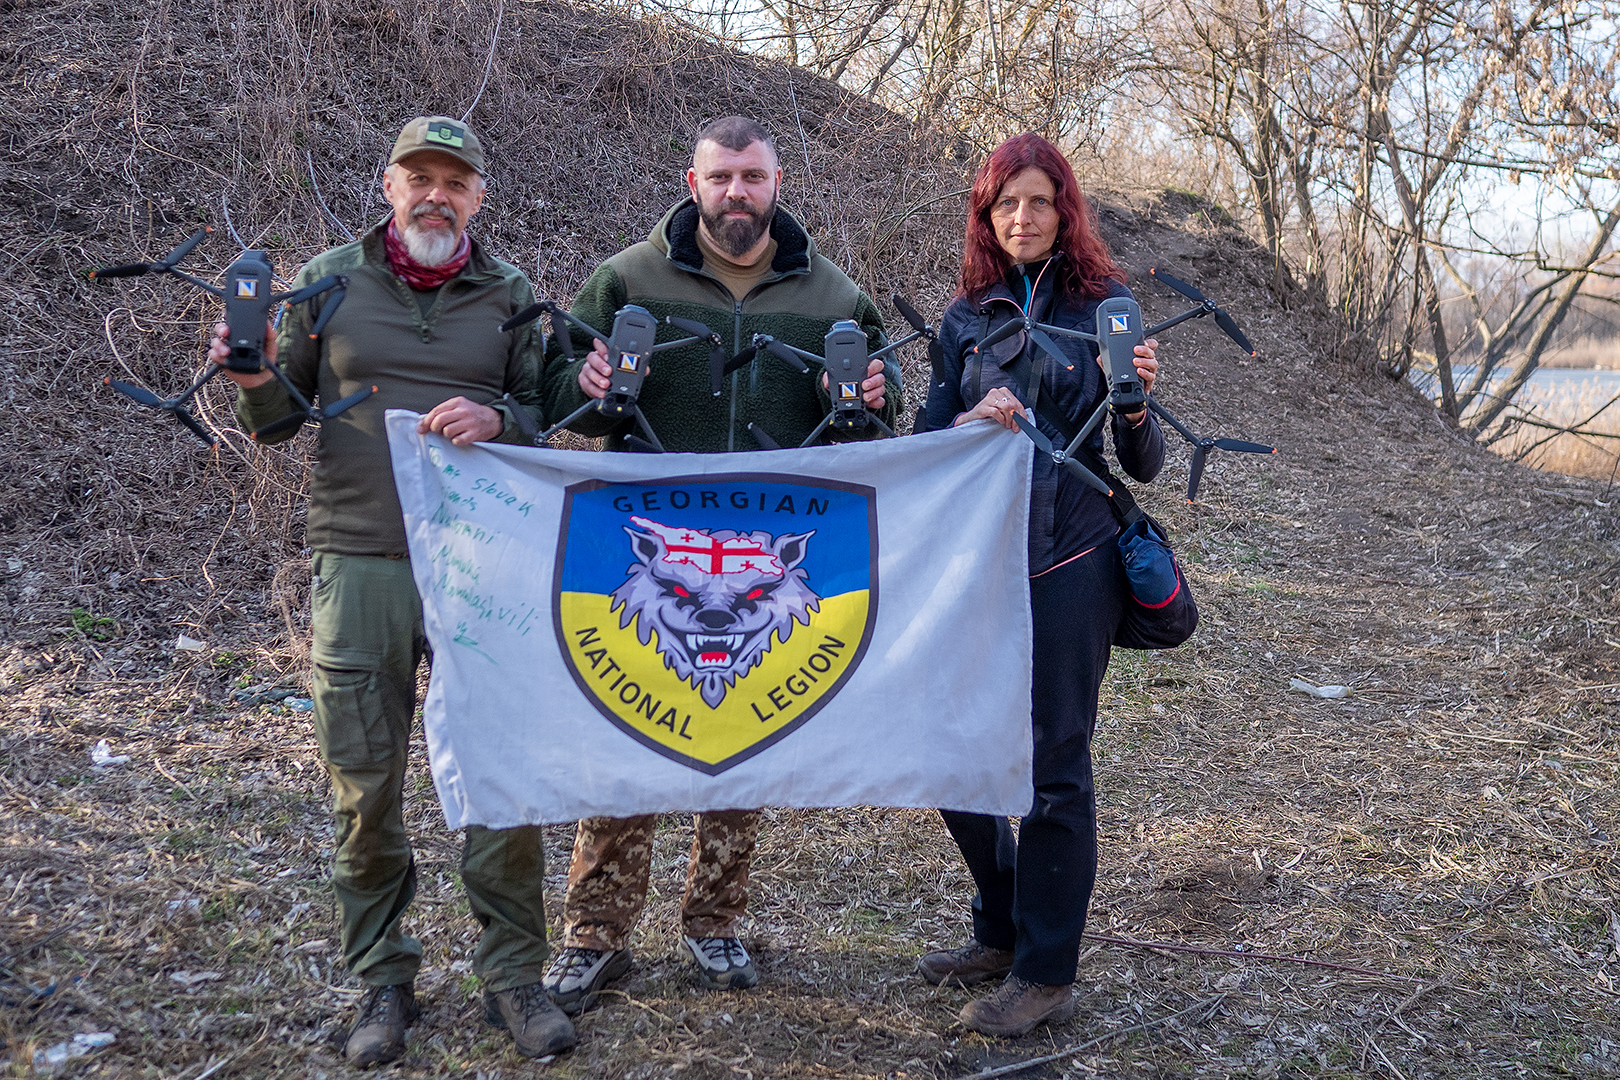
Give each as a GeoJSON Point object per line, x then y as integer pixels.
{"type": "Point", "coordinates": [1086, 267]}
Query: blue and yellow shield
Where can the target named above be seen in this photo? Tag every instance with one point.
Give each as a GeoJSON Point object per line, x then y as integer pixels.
{"type": "Point", "coordinates": [710, 617]}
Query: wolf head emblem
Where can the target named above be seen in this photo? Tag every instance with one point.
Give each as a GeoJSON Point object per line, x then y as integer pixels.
{"type": "Point", "coordinates": [715, 598]}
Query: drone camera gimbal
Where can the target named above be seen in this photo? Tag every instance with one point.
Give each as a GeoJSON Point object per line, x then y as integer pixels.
{"type": "Point", "coordinates": [248, 303]}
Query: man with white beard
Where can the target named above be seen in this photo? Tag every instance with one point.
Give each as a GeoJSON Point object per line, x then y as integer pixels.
{"type": "Point", "coordinates": [419, 322]}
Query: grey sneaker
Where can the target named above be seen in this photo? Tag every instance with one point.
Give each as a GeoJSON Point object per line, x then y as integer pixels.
{"type": "Point", "coordinates": [576, 976]}
{"type": "Point", "coordinates": [538, 1027]}
{"type": "Point", "coordinates": [378, 1034]}
{"type": "Point", "coordinates": [722, 963]}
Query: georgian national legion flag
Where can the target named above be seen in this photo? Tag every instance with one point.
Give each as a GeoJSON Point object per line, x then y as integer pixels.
{"type": "Point", "coordinates": [618, 634]}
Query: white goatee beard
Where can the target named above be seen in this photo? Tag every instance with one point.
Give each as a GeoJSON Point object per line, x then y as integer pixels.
{"type": "Point", "coordinates": [431, 247]}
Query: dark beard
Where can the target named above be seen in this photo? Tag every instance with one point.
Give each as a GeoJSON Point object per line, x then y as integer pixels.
{"type": "Point", "coordinates": [737, 235]}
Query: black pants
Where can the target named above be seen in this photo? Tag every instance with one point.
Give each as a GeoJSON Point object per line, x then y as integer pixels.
{"type": "Point", "coordinates": [1033, 891]}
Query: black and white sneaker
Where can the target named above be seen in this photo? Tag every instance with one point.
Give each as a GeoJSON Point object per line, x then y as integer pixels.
{"type": "Point", "coordinates": [722, 963]}
{"type": "Point", "coordinates": [576, 976]}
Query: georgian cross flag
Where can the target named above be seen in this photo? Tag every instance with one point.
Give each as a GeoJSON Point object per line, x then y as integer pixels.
{"type": "Point", "coordinates": [620, 634]}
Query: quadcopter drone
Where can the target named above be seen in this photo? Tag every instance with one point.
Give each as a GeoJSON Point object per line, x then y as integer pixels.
{"type": "Point", "coordinates": [248, 303]}
{"type": "Point", "coordinates": [634, 331]}
{"type": "Point", "coordinates": [845, 359]}
{"type": "Point", "coordinates": [1118, 331]}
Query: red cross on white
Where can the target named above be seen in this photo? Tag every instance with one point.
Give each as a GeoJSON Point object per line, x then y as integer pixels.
{"type": "Point", "coordinates": [696, 548]}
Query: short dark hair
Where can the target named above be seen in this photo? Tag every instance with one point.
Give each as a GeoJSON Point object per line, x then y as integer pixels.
{"type": "Point", "coordinates": [734, 133]}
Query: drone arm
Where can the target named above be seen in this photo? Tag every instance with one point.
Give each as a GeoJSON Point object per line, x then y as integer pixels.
{"type": "Point", "coordinates": [893, 346]}
{"type": "Point", "coordinates": [298, 296]}
{"type": "Point", "coordinates": [1170, 418]}
{"type": "Point", "coordinates": [674, 344]}
{"type": "Point", "coordinates": [205, 286]}
{"type": "Point", "coordinates": [1069, 332]}
{"type": "Point", "coordinates": [1195, 313]}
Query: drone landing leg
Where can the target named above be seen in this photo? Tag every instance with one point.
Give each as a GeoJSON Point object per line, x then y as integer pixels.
{"type": "Point", "coordinates": [545, 436]}
{"type": "Point", "coordinates": [646, 429]}
{"type": "Point", "coordinates": [816, 434]}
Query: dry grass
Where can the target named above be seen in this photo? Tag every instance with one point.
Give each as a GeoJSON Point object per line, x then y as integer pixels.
{"type": "Point", "coordinates": [1450, 824]}
{"type": "Point", "coordinates": [1592, 450]}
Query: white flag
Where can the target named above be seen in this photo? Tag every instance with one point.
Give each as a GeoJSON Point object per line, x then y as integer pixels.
{"type": "Point", "coordinates": [620, 634]}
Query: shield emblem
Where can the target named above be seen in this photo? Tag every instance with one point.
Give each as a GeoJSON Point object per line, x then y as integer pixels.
{"type": "Point", "coordinates": [709, 618]}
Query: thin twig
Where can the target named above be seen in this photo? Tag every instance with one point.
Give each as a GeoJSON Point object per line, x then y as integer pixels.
{"type": "Point", "coordinates": [316, 187]}
{"type": "Point", "coordinates": [489, 64]}
{"type": "Point", "coordinates": [1207, 1005]}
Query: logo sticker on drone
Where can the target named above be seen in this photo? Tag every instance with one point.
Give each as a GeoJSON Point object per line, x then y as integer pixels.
{"type": "Point", "coordinates": [247, 288]}
{"type": "Point", "coordinates": [847, 390]}
{"type": "Point", "coordinates": [711, 617]}
{"type": "Point", "coordinates": [1119, 324]}
{"type": "Point", "coordinates": [448, 134]}
{"type": "Point", "coordinates": [629, 361]}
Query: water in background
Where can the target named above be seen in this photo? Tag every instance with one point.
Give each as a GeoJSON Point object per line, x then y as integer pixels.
{"type": "Point", "coordinates": [1555, 390]}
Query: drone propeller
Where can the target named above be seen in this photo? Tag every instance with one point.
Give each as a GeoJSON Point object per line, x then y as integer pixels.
{"type": "Point", "coordinates": [123, 270]}
{"type": "Point", "coordinates": [1243, 447]}
{"type": "Point", "coordinates": [560, 331]}
{"type": "Point", "coordinates": [717, 349]}
{"type": "Point", "coordinates": [1000, 334]}
{"type": "Point", "coordinates": [1050, 347]}
{"type": "Point", "coordinates": [936, 351]}
{"type": "Point", "coordinates": [1038, 437]}
{"type": "Point", "coordinates": [1222, 319]}
{"type": "Point", "coordinates": [1196, 472]}
{"type": "Point", "coordinates": [328, 309]}
{"type": "Point", "coordinates": [184, 248]}
{"type": "Point", "coordinates": [762, 437]}
{"type": "Point", "coordinates": [175, 407]}
{"type": "Point", "coordinates": [139, 393]}
{"type": "Point", "coordinates": [782, 352]}
{"type": "Point", "coordinates": [527, 315]}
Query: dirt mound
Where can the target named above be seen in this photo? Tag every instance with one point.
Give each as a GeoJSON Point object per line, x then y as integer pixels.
{"type": "Point", "coordinates": [1439, 845]}
{"type": "Point", "coordinates": [133, 124]}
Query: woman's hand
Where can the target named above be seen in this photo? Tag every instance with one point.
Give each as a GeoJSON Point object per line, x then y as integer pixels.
{"type": "Point", "coordinates": [1147, 369]}
{"type": "Point", "coordinates": [999, 405]}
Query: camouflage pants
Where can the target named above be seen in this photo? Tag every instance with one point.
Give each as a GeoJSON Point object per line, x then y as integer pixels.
{"type": "Point", "coordinates": [607, 880]}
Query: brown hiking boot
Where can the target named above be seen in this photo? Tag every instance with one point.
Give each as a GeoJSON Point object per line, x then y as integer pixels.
{"type": "Point", "coordinates": [378, 1034]}
{"type": "Point", "coordinates": [972, 963]}
{"type": "Point", "coordinates": [539, 1028]}
{"type": "Point", "coordinates": [1016, 1006]}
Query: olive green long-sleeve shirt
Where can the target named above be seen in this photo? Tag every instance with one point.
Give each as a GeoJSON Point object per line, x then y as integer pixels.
{"type": "Point", "coordinates": [382, 336]}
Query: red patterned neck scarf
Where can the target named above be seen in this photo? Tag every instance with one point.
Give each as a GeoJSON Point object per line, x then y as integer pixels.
{"type": "Point", "coordinates": [419, 277]}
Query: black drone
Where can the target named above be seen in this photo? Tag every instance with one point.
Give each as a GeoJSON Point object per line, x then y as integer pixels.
{"type": "Point", "coordinates": [248, 303]}
{"type": "Point", "coordinates": [845, 359]}
{"type": "Point", "coordinates": [1118, 331]}
{"type": "Point", "coordinates": [634, 331]}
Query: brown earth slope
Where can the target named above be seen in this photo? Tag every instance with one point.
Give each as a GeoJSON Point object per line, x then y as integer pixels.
{"type": "Point", "coordinates": [1446, 831]}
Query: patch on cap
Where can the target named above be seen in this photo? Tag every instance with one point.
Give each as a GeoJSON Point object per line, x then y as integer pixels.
{"type": "Point", "coordinates": [446, 134]}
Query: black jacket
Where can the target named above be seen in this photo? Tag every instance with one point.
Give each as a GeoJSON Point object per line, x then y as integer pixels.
{"type": "Point", "coordinates": [1065, 516]}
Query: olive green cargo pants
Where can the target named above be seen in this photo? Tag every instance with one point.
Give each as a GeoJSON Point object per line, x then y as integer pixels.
{"type": "Point", "coordinates": [368, 643]}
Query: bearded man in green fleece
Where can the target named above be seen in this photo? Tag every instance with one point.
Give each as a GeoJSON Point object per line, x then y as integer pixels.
{"type": "Point", "coordinates": [730, 258]}
{"type": "Point", "coordinates": [420, 323]}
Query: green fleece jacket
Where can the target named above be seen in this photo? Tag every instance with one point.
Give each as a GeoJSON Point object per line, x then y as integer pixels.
{"type": "Point", "coordinates": [381, 336]}
{"type": "Point", "coordinates": [797, 302]}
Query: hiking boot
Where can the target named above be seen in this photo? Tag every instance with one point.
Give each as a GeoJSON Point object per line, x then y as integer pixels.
{"type": "Point", "coordinates": [576, 977]}
{"type": "Point", "coordinates": [1016, 1006]}
{"type": "Point", "coordinates": [378, 1034]}
{"type": "Point", "coordinates": [538, 1027]}
{"type": "Point", "coordinates": [972, 963]}
{"type": "Point", "coordinates": [722, 963]}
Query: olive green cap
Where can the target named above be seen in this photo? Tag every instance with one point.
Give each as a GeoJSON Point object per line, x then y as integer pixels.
{"type": "Point", "coordinates": [445, 134]}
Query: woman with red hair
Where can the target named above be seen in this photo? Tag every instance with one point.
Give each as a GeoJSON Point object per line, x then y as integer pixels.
{"type": "Point", "coordinates": [1032, 247]}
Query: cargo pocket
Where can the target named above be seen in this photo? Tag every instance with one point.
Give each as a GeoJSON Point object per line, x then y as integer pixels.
{"type": "Point", "coordinates": [351, 720]}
